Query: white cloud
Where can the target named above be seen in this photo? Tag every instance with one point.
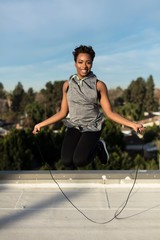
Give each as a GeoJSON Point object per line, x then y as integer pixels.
{"type": "Point", "coordinates": [118, 69]}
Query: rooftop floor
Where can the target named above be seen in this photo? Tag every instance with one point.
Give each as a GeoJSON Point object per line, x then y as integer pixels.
{"type": "Point", "coordinates": [82, 206]}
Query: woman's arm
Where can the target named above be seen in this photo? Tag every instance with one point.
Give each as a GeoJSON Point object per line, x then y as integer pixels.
{"type": "Point", "coordinates": [62, 113]}
{"type": "Point", "coordinates": [106, 106]}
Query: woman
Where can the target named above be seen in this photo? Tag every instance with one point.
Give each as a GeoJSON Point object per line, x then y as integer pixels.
{"type": "Point", "coordinates": [82, 94]}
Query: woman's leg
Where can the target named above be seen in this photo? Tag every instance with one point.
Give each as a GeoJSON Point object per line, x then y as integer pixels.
{"type": "Point", "coordinates": [85, 148]}
{"type": "Point", "coordinates": [69, 145]}
{"type": "Point", "coordinates": [79, 148]}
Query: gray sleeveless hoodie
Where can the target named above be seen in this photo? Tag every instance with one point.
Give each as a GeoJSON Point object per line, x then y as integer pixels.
{"type": "Point", "coordinates": [82, 98]}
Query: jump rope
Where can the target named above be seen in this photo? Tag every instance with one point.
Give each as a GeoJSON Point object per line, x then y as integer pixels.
{"type": "Point", "coordinates": [119, 210]}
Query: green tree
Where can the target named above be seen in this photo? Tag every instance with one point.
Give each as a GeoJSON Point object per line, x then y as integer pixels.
{"type": "Point", "coordinates": [151, 134]}
{"type": "Point", "coordinates": [28, 98]}
{"type": "Point", "coordinates": [139, 162]}
{"type": "Point", "coordinates": [53, 96]}
{"type": "Point", "coordinates": [2, 91]}
{"type": "Point", "coordinates": [16, 154]}
{"type": "Point", "coordinates": [112, 135]}
{"type": "Point", "coordinates": [152, 165]}
{"type": "Point", "coordinates": [136, 93]}
{"type": "Point", "coordinates": [17, 98]}
{"type": "Point", "coordinates": [2, 100]}
{"type": "Point", "coordinates": [21, 150]}
{"type": "Point", "coordinates": [34, 113]}
{"type": "Point", "coordinates": [48, 148]}
{"type": "Point", "coordinates": [130, 111]}
{"type": "Point", "coordinates": [150, 103]}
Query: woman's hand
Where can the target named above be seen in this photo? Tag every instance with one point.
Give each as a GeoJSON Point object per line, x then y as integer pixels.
{"type": "Point", "coordinates": [36, 129]}
{"type": "Point", "coordinates": [138, 128]}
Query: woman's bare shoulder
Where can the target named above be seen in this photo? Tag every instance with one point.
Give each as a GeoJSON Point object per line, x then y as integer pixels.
{"type": "Point", "coordinates": [101, 85]}
{"type": "Point", "coordinates": [65, 86]}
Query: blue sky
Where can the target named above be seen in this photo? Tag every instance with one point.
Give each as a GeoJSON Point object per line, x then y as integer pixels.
{"type": "Point", "coordinates": [37, 38]}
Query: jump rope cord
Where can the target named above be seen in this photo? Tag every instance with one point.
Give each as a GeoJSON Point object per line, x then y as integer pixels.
{"type": "Point", "coordinates": [122, 207]}
{"type": "Point", "coordinates": [118, 211]}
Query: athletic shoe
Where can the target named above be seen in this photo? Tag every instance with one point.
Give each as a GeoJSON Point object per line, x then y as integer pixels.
{"type": "Point", "coordinates": [102, 152]}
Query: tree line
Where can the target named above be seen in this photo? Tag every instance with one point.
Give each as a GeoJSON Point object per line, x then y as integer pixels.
{"type": "Point", "coordinates": [20, 150]}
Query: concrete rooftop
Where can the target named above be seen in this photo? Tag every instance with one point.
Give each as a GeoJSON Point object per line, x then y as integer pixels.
{"type": "Point", "coordinates": [32, 206]}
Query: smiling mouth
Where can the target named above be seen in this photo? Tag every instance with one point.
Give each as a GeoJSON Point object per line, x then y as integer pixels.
{"type": "Point", "coordinates": [84, 71]}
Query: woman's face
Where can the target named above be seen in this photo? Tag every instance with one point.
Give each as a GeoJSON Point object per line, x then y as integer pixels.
{"type": "Point", "coordinates": [83, 64]}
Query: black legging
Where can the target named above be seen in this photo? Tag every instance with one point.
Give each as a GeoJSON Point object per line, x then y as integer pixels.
{"type": "Point", "coordinates": [78, 148]}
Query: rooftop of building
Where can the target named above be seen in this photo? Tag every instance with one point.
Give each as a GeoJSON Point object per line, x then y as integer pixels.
{"type": "Point", "coordinates": [44, 205]}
